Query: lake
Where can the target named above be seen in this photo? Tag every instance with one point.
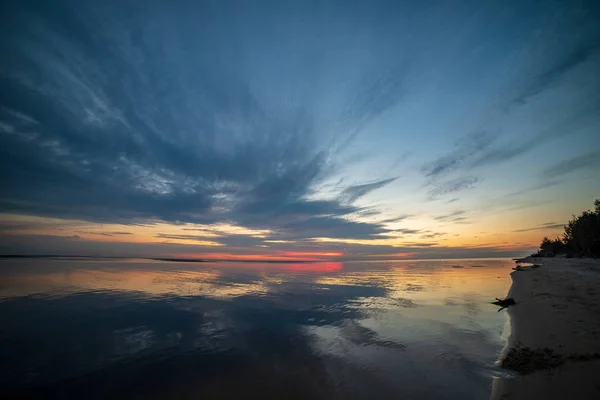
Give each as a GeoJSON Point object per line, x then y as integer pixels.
{"type": "Point", "coordinates": [80, 328]}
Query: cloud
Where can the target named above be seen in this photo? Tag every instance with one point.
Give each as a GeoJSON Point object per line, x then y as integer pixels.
{"type": "Point", "coordinates": [449, 216]}
{"type": "Point", "coordinates": [400, 232]}
{"type": "Point", "coordinates": [396, 219]}
{"type": "Point", "coordinates": [546, 79]}
{"type": "Point", "coordinates": [452, 186]}
{"type": "Point", "coordinates": [466, 148]}
{"type": "Point", "coordinates": [535, 188]}
{"type": "Point", "coordinates": [482, 151]}
{"type": "Point", "coordinates": [546, 226]}
{"type": "Point", "coordinates": [585, 161]}
{"type": "Point", "coordinates": [481, 148]}
{"type": "Point", "coordinates": [69, 245]}
{"type": "Point", "coordinates": [105, 233]}
{"type": "Point", "coordinates": [193, 238]}
{"type": "Point", "coordinates": [169, 126]}
{"type": "Point", "coordinates": [353, 193]}
{"type": "Point", "coordinates": [433, 235]}
{"type": "Point", "coordinates": [461, 220]}
{"type": "Point", "coordinates": [582, 117]}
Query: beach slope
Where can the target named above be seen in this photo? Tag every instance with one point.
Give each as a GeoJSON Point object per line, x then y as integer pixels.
{"type": "Point", "coordinates": [555, 332]}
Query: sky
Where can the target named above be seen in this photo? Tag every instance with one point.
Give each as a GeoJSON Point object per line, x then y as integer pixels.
{"type": "Point", "coordinates": [304, 130]}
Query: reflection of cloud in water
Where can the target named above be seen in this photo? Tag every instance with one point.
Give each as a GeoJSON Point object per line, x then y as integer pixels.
{"type": "Point", "coordinates": [206, 330]}
{"type": "Point", "coordinates": [130, 341]}
{"type": "Point", "coordinates": [413, 288]}
{"type": "Point", "coordinates": [363, 336]}
{"type": "Point", "coordinates": [383, 303]}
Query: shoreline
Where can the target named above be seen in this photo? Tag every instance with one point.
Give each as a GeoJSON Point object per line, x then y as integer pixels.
{"type": "Point", "coordinates": [554, 344]}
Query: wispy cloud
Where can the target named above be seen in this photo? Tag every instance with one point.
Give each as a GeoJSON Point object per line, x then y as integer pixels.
{"type": "Point", "coordinates": [396, 219]}
{"type": "Point", "coordinates": [554, 73]}
{"type": "Point", "coordinates": [567, 126]}
{"type": "Point", "coordinates": [452, 186]}
{"type": "Point", "coordinates": [433, 235]}
{"type": "Point", "coordinates": [466, 148]}
{"type": "Point", "coordinates": [200, 240]}
{"type": "Point", "coordinates": [104, 233]}
{"type": "Point", "coordinates": [353, 193]}
{"type": "Point", "coordinates": [546, 226]}
{"type": "Point", "coordinates": [449, 216]}
{"type": "Point", "coordinates": [585, 161]}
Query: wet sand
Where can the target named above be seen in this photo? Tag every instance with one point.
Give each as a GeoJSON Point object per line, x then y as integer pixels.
{"type": "Point", "coordinates": [554, 344]}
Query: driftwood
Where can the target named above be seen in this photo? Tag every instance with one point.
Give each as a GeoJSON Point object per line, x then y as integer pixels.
{"type": "Point", "coordinates": [521, 268]}
{"type": "Point", "coordinates": [509, 301]}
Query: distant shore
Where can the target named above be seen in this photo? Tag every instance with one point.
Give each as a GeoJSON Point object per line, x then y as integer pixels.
{"type": "Point", "coordinates": [555, 331]}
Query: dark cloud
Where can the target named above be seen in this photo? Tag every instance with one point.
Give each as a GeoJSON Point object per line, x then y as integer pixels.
{"type": "Point", "coordinates": [585, 161]}
{"type": "Point", "coordinates": [452, 186]}
{"type": "Point", "coordinates": [142, 113]}
{"type": "Point", "coordinates": [327, 226]}
{"type": "Point", "coordinates": [135, 117]}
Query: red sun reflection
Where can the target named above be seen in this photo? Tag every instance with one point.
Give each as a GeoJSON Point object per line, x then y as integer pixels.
{"type": "Point", "coordinates": [296, 261]}
{"type": "Point", "coordinates": [331, 266]}
{"type": "Point", "coordinates": [325, 266]}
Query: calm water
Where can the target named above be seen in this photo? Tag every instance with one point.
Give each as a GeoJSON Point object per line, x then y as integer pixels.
{"type": "Point", "coordinates": [127, 329]}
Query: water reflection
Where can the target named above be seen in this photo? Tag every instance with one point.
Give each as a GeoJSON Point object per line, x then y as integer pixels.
{"type": "Point", "coordinates": [174, 330]}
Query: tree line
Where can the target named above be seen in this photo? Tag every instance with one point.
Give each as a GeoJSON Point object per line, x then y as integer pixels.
{"type": "Point", "coordinates": [580, 239]}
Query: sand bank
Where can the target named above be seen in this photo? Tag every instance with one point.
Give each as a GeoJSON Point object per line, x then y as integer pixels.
{"type": "Point", "coordinates": [555, 332]}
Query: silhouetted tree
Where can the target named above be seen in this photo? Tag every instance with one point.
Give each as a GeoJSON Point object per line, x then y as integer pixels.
{"type": "Point", "coordinates": [581, 237]}
{"type": "Point", "coordinates": [582, 233]}
{"type": "Point", "coordinates": [551, 247]}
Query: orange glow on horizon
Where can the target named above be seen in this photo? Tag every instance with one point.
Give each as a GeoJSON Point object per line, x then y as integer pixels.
{"type": "Point", "coordinates": [241, 257]}
{"type": "Point", "coordinates": [407, 255]}
{"type": "Point", "coordinates": [492, 233]}
{"type": "Point", "coordinates": [281, 256]}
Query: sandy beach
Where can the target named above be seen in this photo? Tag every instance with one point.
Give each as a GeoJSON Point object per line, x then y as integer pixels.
{"type": "Point", "coordinates": [555, 332]}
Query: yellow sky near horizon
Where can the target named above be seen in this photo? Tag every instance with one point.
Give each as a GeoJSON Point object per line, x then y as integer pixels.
{"type": "Point", "coordinates": [500, 236]}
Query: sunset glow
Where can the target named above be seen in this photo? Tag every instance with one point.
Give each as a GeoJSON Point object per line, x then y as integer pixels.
{"type": "Point", "coordinates": [333, 139]}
